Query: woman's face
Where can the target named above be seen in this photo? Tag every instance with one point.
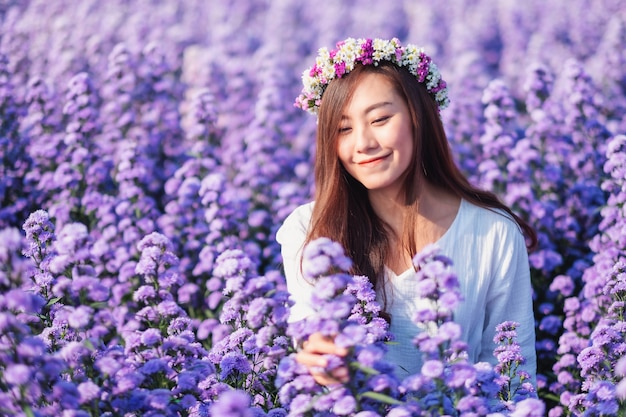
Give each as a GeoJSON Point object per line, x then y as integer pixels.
{"type": "Point", "coordinates": [375, 141]}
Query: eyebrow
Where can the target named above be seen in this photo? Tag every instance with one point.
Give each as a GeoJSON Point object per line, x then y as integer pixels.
{"type": "Point", "coordinates": [372, 107]}
{"type": "Point", "coordinates": [377, 105]}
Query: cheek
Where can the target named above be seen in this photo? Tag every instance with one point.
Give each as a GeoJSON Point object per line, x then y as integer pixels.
{"type": "Point", "coordinates": [344, 151]}
{"type": "Point", "coordinates": [407, 141]}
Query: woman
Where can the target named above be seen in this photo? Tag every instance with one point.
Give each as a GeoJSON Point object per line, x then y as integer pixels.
{"type": "Point", "coordinates": [387, 186]}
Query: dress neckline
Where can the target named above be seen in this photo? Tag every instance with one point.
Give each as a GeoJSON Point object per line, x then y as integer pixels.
{"type": "Point", "coordinates": [392, 274]}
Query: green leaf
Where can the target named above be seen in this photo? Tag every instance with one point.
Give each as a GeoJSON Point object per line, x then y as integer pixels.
{"type": "Point", "coordinates": [53, 301]}
{"type": "Point", "coordinates": [29, 412]}
{"type": "Point", "coordinates": [383, 398]}
{"type": "Point", "coordinates": [365, 369]}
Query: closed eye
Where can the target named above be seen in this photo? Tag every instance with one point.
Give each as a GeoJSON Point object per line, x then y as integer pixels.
{"type": "Point", "coordinates": [381, 119]}
{"type": "Point", "coordinates": [344, 130]}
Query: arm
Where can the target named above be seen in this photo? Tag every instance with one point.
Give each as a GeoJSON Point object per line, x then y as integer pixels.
{"type": "Point", "coordinates": [509, 298]}
{"type": "Point", "coordinates": [291, 236]}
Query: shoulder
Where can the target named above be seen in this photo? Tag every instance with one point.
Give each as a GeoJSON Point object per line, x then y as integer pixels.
{"type": "Point", "coordinates": [490, 220]}
{"type": "Point", "coordinates": [497, 239]}
{"type": "Point", "coordinates": [295, 224]}
{"type": "Point", "coordinates": [493, 231]}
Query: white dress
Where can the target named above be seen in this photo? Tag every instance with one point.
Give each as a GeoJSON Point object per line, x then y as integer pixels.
{"type": "Point", "coordinates": [491, 261]}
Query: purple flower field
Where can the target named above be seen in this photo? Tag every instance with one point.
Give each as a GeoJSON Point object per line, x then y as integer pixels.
{"type": "Point", "coordinates": [150, 149]}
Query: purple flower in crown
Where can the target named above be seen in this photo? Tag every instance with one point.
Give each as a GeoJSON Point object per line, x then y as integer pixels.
{"type": "Point", "coordinates": [367, 53]}
{"type": "Point", "coordinates": [314, 71]}
{"type": "Point", "coordinates": [340, 68]}
{"type": "Point", "coordinates": [338, 62]}
{"type": "Point", "coordinates": [422, 67]}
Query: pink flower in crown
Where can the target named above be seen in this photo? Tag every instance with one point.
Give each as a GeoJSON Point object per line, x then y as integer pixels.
{"type": "Point", "coordinates": [340, 68]}
{"type": "Point", "coordinates": [338, 46]}
{"type": "Point", "coordinates": [442, 85]}
{"type": "Point", "coordinates": [368, 52]}
{"type": "Point", "coordinates": [399, 52]}
{"type": "Point", "coordinates": [315, 70]}
{"type": "Point", "coordinates": [423, 67]}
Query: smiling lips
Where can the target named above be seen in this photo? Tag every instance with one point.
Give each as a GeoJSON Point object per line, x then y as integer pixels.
{"type": "Point", "coordinates": [372, 161]}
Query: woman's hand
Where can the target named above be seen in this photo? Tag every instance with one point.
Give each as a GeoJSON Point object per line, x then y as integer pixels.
{"type": "Point", "coordinates": [313, 357]}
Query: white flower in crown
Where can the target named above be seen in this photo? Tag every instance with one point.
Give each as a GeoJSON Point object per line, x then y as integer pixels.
{"type": "Point", "coordinates": [433, 77]}
{"type": "Point", "coordinates": [385, 50]}
{"type": "Point", "coordinates": [411, 57]}
{"type": "Point", "coordinates": [343, 59]}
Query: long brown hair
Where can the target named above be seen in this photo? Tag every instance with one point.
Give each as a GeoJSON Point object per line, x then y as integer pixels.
{"type": "Point", "coordinates": [342, 210]}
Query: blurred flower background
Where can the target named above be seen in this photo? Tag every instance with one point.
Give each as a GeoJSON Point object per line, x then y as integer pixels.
{"type": "Point", "coordinates": [149, 150]}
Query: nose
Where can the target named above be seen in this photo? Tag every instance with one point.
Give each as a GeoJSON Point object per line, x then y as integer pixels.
{"type": "Point", "coordinates": [365, 140]}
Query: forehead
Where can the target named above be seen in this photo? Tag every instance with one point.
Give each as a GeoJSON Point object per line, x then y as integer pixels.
{"type": "Point", "coordinates": [371, 89]}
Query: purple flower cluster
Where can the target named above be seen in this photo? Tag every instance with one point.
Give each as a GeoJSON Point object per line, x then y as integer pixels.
{"type": "Point", "coordinates": [544, 173]}
{"type": "Point", "coordinates": [448, 384]}
{"type": "Point", "coordinates": [15, 161]}
{"type": "Point", "coordinates": [254, 320]}
{"type": "Point", "coordinates": [149, 153]}
{"type": "Point", "coordinates": [593, 341]}
{"type": "Point", "coordinates": [65, 347]}
{"type": "Point", "coordinates": [345, 309]}
{"type": "Point", "coordinates": [514, 383]}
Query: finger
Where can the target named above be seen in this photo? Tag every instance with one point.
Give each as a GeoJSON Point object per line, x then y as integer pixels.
{"type": "Point", "coordinates": [316, 365]}
{"type": "Point", "coordinates": [318, 343]}
{"type": "Point", "coordinates": [311, 359]}
{"type": "Point", "coordinates": [324, 378]}
{"type": "Point", "coordinates": [341, 374]}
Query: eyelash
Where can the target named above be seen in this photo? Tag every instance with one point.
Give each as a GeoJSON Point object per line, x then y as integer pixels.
{"type": "Point", "coordinates": [378, 120]}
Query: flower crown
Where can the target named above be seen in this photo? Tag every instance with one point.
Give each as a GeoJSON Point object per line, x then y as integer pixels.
{"type": "Point", "coordinates": [340, 61]}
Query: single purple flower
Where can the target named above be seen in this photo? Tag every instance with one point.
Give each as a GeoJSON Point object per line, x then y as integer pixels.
{"type": "Point", "coordinates": [108, 365]}
{"type": "Point", "coordinates": [151, 337]}
{"type": "Point", "coordinates": [17, 374]}
{"type": "Point", "coordinates": [154, 366]}
{"type": "Point", "coordinates": [80, 317]}
{"type": "Point", "coordinates": [145, 293]}
{"type": "Point", "coordinates": [234, 362]}
{"type": "Point", "coordinates": [232, 403]}
{"type": "Point", "coordinates": [88, 391]}
{"type": "Point", "coordinates": [530, 407]}
{"type": "Point", "coordinates": [345, 405]}
{"type": "Point", "coordinates": [432, 368]}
